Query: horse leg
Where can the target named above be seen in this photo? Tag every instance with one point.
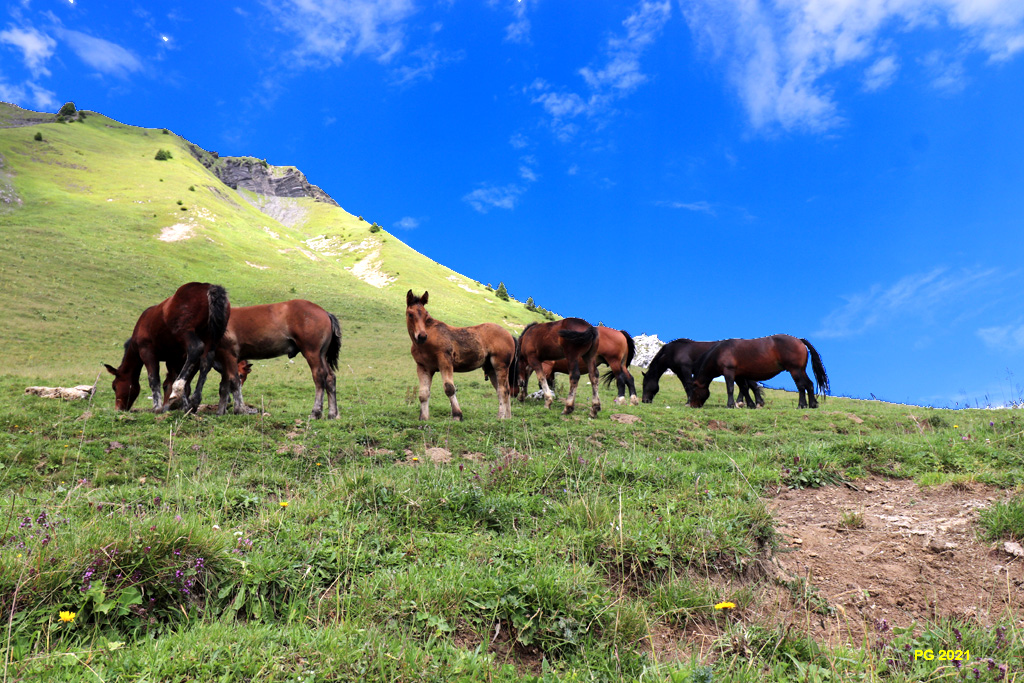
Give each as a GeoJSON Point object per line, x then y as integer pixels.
{"type": "Point", "coordinates": [448, 377]}
{"type": "Point", "coordinates": [332, 393]}
{"type": "Point", "coordinates": [595, 402]}
{"type": "Point", "coordinates": [194, 352]}
{"type": "Point", "coordinates": [319, 371]}
{"type": "Point", "coordinates": [758, 398]}
{"type": "Point", "coordinates": [499, 379]}
{"type": "Point", "coordinates": [574, 378]}
{"type": "Point", "coordinates": [620, 382]}
{"type": "Point", "coordinates": [153, 374]}
{"type": "Point", "coordinates": [804, 384]}
{"type": "Point", "coordinates": [633, 399]}
{"type": "Point", "coordinates": [545, 388]}
{"type": "Point", "coordinates": [730, 379]}
{"type": "Point", "coordinates": [425, 376]}
{"type": "Point", "coordinates": [195, 399]}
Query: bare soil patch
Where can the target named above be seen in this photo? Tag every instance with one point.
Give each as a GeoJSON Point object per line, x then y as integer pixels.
{"type": "Point", "coordinates": [916, 557]}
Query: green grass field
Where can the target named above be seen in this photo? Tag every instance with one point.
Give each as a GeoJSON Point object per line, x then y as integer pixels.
{"type": "Point", "coordinates": [378, 547]}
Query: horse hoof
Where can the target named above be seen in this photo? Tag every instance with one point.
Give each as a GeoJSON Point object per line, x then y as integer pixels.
{"type": "Point", "coordinates": [619, 400]}
{"type": "Point", "coordinates": [634, 401]}
{"type": "Point", "coordinates": [568, 410]}
{"type": "Point", "coordinates": [457, 418]}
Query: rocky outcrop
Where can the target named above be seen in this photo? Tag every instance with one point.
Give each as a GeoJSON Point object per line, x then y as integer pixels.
{"type": "Point", "coordinates": [256, 175]}
{"type": "Point", "coordinates": [647, 345]}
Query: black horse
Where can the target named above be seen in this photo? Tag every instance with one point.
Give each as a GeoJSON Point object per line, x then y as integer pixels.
{"type": "Point", "coordinates": [758, 360]}
{"type": "Point", "coordinates": [679, 356]}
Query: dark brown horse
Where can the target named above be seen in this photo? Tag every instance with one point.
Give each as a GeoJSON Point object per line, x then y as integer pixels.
{"type": "Point", "coordinates": [182, 330]}
{"type": "Point", "coordinates": [758, 360]}
{"type": "Point", "coordinates": [679, 356]}
{"type": "Point", "coordinates": [571, 339]}
{"type": "Point", "coordinates": [615, 348]}
{"type": "Point", "coordinates": [436, 347]}
{"type": "Point", "coordinates": [285, 328]}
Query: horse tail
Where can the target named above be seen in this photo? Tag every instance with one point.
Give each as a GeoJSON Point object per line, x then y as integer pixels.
{"type": "Point", "coordinates": [577, 337]}
{"type": "Point", "coordinates": [513, 366]}
{"type": "Point", "coordinates": [334, 348]}
{"type": "Point", "coordinates": [220, 311]}
{"type": "Point", "coordinates": [819, 369]}
{"type": "Point", "coordinates": [630, 348]}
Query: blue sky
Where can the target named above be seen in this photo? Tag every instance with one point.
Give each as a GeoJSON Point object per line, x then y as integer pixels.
{"type": "Point", "coordinates": [845, 171]}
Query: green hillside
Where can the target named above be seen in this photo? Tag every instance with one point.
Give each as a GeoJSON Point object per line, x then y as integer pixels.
{"type": "Point", "coordinates": [96, 229]}
{"type": "Point", "coordinates": [656, 543]}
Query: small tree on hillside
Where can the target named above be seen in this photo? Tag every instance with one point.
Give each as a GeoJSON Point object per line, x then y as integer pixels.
{"type": "Point", "coordinates": [67, 110]}
{"type": "Point", "coordinates": [163, 155]}
{"type": "Point", "coordinates": [530, 306]}
{"type": "Point", "coordinates": [501, 292]}
{"type": "Point", "coordinates": [38, 136]}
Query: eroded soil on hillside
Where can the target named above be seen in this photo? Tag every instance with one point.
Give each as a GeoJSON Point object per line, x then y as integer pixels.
{"type": "Point", "coordinates": [917, 557]}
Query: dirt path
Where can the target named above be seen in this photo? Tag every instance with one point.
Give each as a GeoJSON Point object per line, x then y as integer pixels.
{"type": "Point", "coordinates": [916, 557]}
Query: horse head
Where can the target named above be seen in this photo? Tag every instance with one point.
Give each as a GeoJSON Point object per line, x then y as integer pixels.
{"type": "Point", "coordinates": [650, 386]}
{"type": "Point", "coordinates": [416, 316]}
{"type": "Point", "coordinates": [126, 387]}
{"type": "Point", "coordinates": [700, 394]}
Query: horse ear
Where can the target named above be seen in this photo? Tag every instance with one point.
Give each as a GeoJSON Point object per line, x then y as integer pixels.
{"type": "Point", "coordinates": [423, 299]}
{"type": "Point", "coordinates": [110, 369]}
{"type": "Point", "coordinates": [409, 298]}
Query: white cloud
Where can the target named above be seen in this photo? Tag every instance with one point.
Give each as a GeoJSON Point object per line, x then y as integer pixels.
{"type": "Point", "coordinates": [618, 75]}
{"type": "Point", "coordinates": [102, 55]}
{"type": "Point", "coordinates": [779, 53]}
{"type": "Point", "coordinates": [328, 31]}
{"type": "Point", "coordinates": [407, 223]}
{"type": "Point", "coordinates": [427, 61]}
{"type": "Point", "coordinates": [881, 74]}
{"type": "Point", "coordinates": [922, 295]}
{"type": "Point", "coordinates": [699, 207]}
{"type": "Point", "coordinates": [1005, 337]}
{"type": "Point", "coordinates": [519, 30]}
{"type": "Point", "coordinates": [947, 75]}
{"type": "Point", "coordinates": [29, 95]}
{"type": "Point", "coordinates": [488, 197]}
{"type": "Point", "coordinates": [527, 173]}
{"type": "Point", "coordinates": [35, 47]}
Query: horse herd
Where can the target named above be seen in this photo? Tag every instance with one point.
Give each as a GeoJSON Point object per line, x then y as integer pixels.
{"type": "Point", "coordinates": [196, 329]}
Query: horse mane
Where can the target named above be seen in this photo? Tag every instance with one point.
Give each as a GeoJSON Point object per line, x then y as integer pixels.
{"type": "Point", "coordinates": [681, 340]}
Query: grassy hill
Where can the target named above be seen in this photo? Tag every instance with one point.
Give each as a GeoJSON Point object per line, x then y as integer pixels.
{"type": "Point", "coordinates": [88, 204]}
{"type": "Point", "coordinates": [654, 543]}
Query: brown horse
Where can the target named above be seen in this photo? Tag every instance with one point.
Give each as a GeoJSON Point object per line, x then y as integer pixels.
{"type": "Point", "coordinates": [438, 347]}
{"type": "Point", "coordinates": [757, 360]}
{"type": "Point", "coordinates": [615, 348]}
{"type": "Point", "coordinates": [679, 356]}
{"type": "Point", "coordinates": [272, 330]}
{"type": "Point", "coordinates": [572, 339]}
{"type": "Point", "coordinates": [182, 329]}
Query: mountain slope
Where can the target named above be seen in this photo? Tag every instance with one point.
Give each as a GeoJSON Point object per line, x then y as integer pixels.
{"type": "Point", "coordinates": [96, 229]}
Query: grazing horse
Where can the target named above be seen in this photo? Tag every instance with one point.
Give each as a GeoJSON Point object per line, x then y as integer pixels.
{"type": "Point", "coordinates": [572, 339]}
{"type": "Point", "coordinates": [438, 347]}
{"type": "Point", "coordinates": [272, 330]}
{"type": "Point", "coordinates": [758, 360]}
{"type": "Point", "coordinates": [679, 356]}
{"type": "Point", "coordinates": [615, 348]}
{"type": "Point", "coordinates": [182, 329]}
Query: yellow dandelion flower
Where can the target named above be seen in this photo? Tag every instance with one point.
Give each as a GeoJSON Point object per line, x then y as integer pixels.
{"type": "Point", "coordinates": [725, 605]}
{"type": "Point", "coordinates": [415, 459]}
{"type": "Point", "coordinates": [283, 503]}
{"type": "Point", "coordinates": [68, 617]}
